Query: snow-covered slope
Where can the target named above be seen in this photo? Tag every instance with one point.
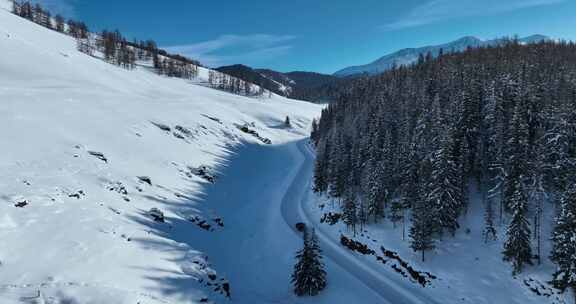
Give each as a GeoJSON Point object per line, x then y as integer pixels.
{"type": "Point", "coordinates": [466, 269]}
{"type": "Point", "coordinates": [408, 56]}
{"type": "Point", "coordinates": [89, 148]}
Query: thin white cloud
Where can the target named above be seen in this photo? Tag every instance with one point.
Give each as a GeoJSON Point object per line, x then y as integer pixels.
{"type": "Point", "coordinates": [439, 10]}
{"type": "Point", "coordinates": [62, 7]}
{"type": "Point", "coordinates": [229, 49]}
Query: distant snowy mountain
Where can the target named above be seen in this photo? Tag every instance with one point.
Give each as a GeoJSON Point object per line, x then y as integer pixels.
{"type": "Point", "coordinates": [410, 55]}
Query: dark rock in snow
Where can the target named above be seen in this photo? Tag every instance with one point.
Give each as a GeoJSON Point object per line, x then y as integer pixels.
{"type": "Point", "coordinates": [203, 172]}
{"type": "Point", "coordinates": [98, 155]}
{"type": "Point", "coordinates": [118, 187]}
{"type": "Point", "coordinates": [156, 215]}
{"type": "Point", "coordinates": [145, 179]}
{"type": "Point", "coordinates": [213, 118]}
{"type": "Point", "coordinates": [162, 127]}
{"type": "Point", "coordinates": [21, 204]}
{"type": "Point", "coordinates": [77, 195]}
{"type": "Point", "coordinates": [246, 129]}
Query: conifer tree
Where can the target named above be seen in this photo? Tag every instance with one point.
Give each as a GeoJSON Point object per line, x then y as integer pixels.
{"type": "Point", "coordinates": [396, 212]}
{"type": "Point", "coordinates": [350, 212]}
{"type": "Point", "coordinates": [517, 248]}
{"type": "Point", "coordinates": [339, 166]}
{"type": "Point", "coordinates": [489, 232]}
{"type": "Point", "coordinates": [422, 228]}
{"type": "Point", "coordinates": [375, 193]}
{"type": "Point", "coordinates": [59, 23]}
{"type": "Point", "coordinates": [444, 189]}
{"type": "Point", "coordinates": [315, 132]}
{"type": "Point", "coordinates": [309, 276]}
{"type": "Point", "coordinates": [564, 242]}
{"type": "Point", "coordinates": [321, 167]}
{"type": "Point", "coordinates": [515, 166]}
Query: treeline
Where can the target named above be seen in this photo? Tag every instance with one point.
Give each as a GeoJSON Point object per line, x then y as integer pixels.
{"type": "Point", "coordinates": [247, 74]}
{"type": "Point", "coordinates": [326, 92]}
{"type": "Point", "coordinates": [37, 14]}
{"type": "Point", "coordinates": [225, 82]}
{"type": "Point", "coordinates": [113, 46]}
{"type": "Point", "coordinates": [412, 140]}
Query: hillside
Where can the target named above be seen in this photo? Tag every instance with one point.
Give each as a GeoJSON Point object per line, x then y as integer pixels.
{"type": "Point", "coordinates": [408, 56]}
{"type": "Point", "coordinates": [300, 85]}
{"type": "Point", "coordinates": [253, 76]}
{"type": "Point", "coordinates": [458, 173]}
{"type": "Point", "coordinates": [300, 80]}
{"type": "Point", "coordinates": [89, 148]}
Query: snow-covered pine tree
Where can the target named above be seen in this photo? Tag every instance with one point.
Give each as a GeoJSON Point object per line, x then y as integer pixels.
{"type": "Point", "coordinates": [517, 248]}
{"type": "Point", "coordinates": [516, 162]}
{"type": "Point", "coordinates": [375, 193]}
{"type": "Point", "coordinates": [338, 166]}
{"type": "Point", "coordinates": [536, 196]}
{"type": "Point", "coordinates": [315, 132]}
{"type": "Point", "coordinates": [309, 276]}
{"type": "Point", "coordinates": [350, 212]}
{"type": "Point", "coordinates": [362, 214]}
{"type": "Point", "coordinates": [321, 166]}
{"type": "Point", "coordinates": [410, 178]}
{"type": "Point", "coordinates": [561, 145]}
{"type": "Point", "coordinates": [396, 212]}
{"type": "Point", "coordinates": [489, 232]}
{"type": "Point", "coordinates": [422, 228]}
{"type": "Point", "coordinates": [564, 239]}
{"type": "Point", "coordinates": [489, 152]}
{"type": "Point", "coordinates": [444, 194]}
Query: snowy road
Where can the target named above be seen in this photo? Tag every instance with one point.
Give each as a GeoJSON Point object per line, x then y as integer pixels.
{"type": "Point", "coordinates": [256, 250]}
{"type": "Point", "coordinates": [259, 196]}
{"type": "Point", "coordinates": [293, 212]}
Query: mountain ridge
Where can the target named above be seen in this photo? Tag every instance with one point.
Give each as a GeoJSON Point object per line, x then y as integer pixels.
{"type": "Point", "coordinates": [294, 84]}
{"type": "Point", "coordinates": [410, 55]}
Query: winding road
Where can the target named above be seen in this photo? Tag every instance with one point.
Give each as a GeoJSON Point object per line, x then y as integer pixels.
{"type": "Point", "coordinates": [260, 197]}
{"type": "Point", "coordinates": [293, 212]}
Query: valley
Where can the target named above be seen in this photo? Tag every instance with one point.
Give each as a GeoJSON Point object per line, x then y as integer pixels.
{"type": "Point", "coordinates": [134, 175]}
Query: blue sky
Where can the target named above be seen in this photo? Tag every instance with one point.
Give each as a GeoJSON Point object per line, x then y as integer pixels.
{"type": "Point", "coordinates": [317, 35]}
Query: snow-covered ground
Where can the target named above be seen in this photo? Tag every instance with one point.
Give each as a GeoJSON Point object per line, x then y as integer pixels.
{"type": "Point", "coordinates": [89, 148]}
